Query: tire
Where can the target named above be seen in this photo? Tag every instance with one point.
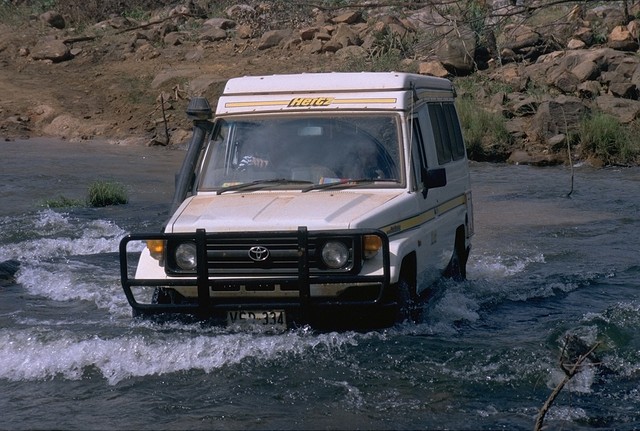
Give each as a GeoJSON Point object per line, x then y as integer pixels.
{"type": "Point", "coordinates": [457, 267]}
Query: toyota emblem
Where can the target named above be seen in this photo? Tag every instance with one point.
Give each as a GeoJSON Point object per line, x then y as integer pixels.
{"type": "Point", "coordinates": [258, 253]}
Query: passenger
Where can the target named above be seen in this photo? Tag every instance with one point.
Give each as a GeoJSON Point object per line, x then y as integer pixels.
{"type": "Point", "coordinates": [361, 161]}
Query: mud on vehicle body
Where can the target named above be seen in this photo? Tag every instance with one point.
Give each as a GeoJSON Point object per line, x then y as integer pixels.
{"type": "Point", "coordinates": [332, 199]}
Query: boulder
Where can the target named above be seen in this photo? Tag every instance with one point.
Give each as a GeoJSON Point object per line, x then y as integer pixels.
{"type": "Point", "coordinates": [212, 34]}
{"type": "Point", "coordinates": [51, 49]}
{"type": "Point", "coordinates": [625, 110]}
{"type": "Point", "coordinates": [586, 71]}
{"type": "Point", "coordinates": [351, 52]}
{"type": "Point", "coordinates": [561, 115]}
{"type": "Point", "coordinates": [273, 38]}
{"type": "Point", "coordinates": [519, 37]}
{"type": "Point", "coordinates": [621, 39]}
{"type": "Point", "coordinates": [576, 44]}
{"type": "Point", "coordinates": [222, 23]}
{"type": "Point", "coordinates": [433, 68]}
{"type": "Point", "coordinates": [456, 49]}
{"type": "Point", "coordinates": [348, 18]}
{"type": "Point", "coordinates": [589, 89]}
{"type": "Point", "coordinates": [626, 90]}
{"type": "Point", "coordinates": [53, 19]}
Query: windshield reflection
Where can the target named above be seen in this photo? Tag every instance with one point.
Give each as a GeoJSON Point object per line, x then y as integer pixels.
{"type": "Point", "coordinates": [299, 151]}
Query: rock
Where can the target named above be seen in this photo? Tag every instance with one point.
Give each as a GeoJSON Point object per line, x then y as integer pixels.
{"type": "Point", "coordinates": [345, 36]}
{"type": "Point", "coordinates": [519, 37]}
{"type": "Point", "coordinates": [525, 107]}
{"type": "Point", "coordinates": [521, 157]}
{"type": "Point", "coordinates": [576, 44]}
{"type": "Point", "coordinates": [589, 89]}
{"type": "Point", "coordinates": [221, 23]}
{"type": "Point", "coordinates": [433, 68]}
{"type": "Point", "coordinates": [516, 127]}
{"type": "Point", "coordinates": [511, 75]}
{"type": "Point", "coordinates": [586, 71]}
{"type": "Point", "coordinates": [351, 52]}
{"type": "Point", "coordinates": [456, 49]}
{"type": "Point", "coordinates": [625, 110]}
{"type": "Point", "coordinates": [625, 90]}
{"type": "Point", "coordinates": [584, 34]}
{"type": "Point", "coordinates": [54, 19]}
{"type": "Point", "coordinates": [212, 34]}
{"type": "Point", "coordinates": [348, 18]}
{"type": "Point", "coordinates": [561, 115]}
{"type": "Point", "coordinates": [173, 39]}
{"type": "Point", "coordinates": [634, 29]}
{"type": "Point", "coordinates": [273, 38]}
{"type": "Point", "coordinates": [621, 39]}
{"type": "Point", "coordinates": [244, 31]}
{"type": "Point", "coordinates": [308, 33]}
{"type": "Point", "coordinates": [240, 11]}
{"type": "Point", "coordinates": [53, 50]}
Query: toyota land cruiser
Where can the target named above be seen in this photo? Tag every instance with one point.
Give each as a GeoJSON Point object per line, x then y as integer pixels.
{"type": "Point", "coordinates": [329, 199]}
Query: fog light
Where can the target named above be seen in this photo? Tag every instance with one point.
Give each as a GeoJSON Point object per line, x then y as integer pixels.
{"type": "Point", "coordinates": [335, 254]}
{"type": "Point", "coordinates": [156, 248]}
{"type": "Point", "coordinates": [371, 245]}
{"type": "Point", "coordinates": [186, 256]}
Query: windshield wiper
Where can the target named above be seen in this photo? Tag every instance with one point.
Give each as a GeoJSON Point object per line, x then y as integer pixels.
{"type": "Point", "coordinates": [347, 183]}
{"type": "Point", "coordinates": [260, 184]}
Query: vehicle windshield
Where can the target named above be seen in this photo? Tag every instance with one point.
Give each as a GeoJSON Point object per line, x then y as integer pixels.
{"type": "Point", "coordinates": [303, 151]}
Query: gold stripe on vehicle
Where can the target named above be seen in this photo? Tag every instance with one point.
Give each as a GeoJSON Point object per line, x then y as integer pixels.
{"type": "Point", "coordinates": [389, 100]}
{"type": "Point", "coordinates": [365, 101]}
{"type": "Point", "coordinates": [254, 104]}
{"type": "Point", "coordinates": [424, 217]}
{"type": "Point", "coordinates": [453, 203]}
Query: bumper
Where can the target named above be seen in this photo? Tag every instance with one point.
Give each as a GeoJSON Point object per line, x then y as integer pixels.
{"type": "Point", "coordinates": [364, 298]}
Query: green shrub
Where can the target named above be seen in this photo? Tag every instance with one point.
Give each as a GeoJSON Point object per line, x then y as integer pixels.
{"type": "Point", "coordinates": [105, 193]}
{"type": "Point", "coordinates": [603, 136]}
{"type": "Point", "coordinates": [481, 128]}
{"type": "Point", "coordinates": [63, 202]}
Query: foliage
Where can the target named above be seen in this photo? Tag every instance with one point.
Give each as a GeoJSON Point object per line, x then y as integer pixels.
{"type": "Point", "coordinates": [63, 202]}
{"type": "Point", "coordinates": [105, 193]}
{"type": "Point", "coordinates": [603, 136]}
{"type": "Point", "coordinates": [480, 128]}
{"type": "Point", "coordinates": [100, 194]}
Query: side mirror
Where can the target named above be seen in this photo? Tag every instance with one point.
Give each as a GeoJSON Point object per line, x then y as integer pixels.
{"type": "Point", "coordinates": [433, 178]}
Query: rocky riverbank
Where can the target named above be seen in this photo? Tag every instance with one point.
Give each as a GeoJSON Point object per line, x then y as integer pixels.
{"type": "Point", "coordinates": [541, 68]}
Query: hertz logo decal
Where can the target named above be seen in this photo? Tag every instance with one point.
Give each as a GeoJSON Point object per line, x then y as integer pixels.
{"type": "Point", "coordinates": [310, 101]}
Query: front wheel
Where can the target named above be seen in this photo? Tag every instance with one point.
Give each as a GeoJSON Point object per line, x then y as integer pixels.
{"type": "Point", "coordinates": [457, 267]}
{"type": "Point", "coordinates": [406, 298]}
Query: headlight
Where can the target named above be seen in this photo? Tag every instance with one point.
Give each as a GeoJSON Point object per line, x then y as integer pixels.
{"type": "Point", "coordinates": [186, 256]}
{"type": "Point", "coordinates": [335, 254]}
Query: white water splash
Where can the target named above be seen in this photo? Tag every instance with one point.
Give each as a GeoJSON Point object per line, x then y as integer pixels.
{"type": "Point", "coordinates": [29, 355]}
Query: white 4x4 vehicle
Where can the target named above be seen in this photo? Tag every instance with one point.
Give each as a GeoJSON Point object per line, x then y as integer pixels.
{"type": "Point", "coordinates": [329, 199]}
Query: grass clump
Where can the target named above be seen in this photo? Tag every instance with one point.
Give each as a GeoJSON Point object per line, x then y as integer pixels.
{"type": "Point", "coordinates": [604, 137]}
{"type": "Point", "coordinates": [483, 131]}
{"type": "Point", "coordinates": [63, 202]}
{"type": "Point", "coordinates": [100, 194]}
{"type": "Point", "coordinates": [106, 193]}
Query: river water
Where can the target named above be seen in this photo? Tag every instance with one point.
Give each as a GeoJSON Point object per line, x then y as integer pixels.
{"type": "Point", "coordinates": [544, 266]}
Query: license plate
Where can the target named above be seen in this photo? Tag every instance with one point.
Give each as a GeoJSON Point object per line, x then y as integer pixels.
{"type": "Point", "coordinates": [263, 318]}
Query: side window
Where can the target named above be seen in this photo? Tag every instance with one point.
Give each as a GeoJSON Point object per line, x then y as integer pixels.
{"type": "Point", "coordinates": [440, 131]}
{"type": "Point", "coordinates": [419, 157]}
{"type": "Point", "coordinates": [446, 132]}
{"type": "Point", "coordinates": [455, 133]}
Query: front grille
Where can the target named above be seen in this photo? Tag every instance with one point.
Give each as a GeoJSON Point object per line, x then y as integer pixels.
{"type": "Point", "coordinates": [275, 254]}
{"type": "Point", "coordinates": [231, 255]}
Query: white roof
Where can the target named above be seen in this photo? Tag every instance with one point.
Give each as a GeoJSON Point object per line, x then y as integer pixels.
{"type": "Point", "coordinates": [334, 82]}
